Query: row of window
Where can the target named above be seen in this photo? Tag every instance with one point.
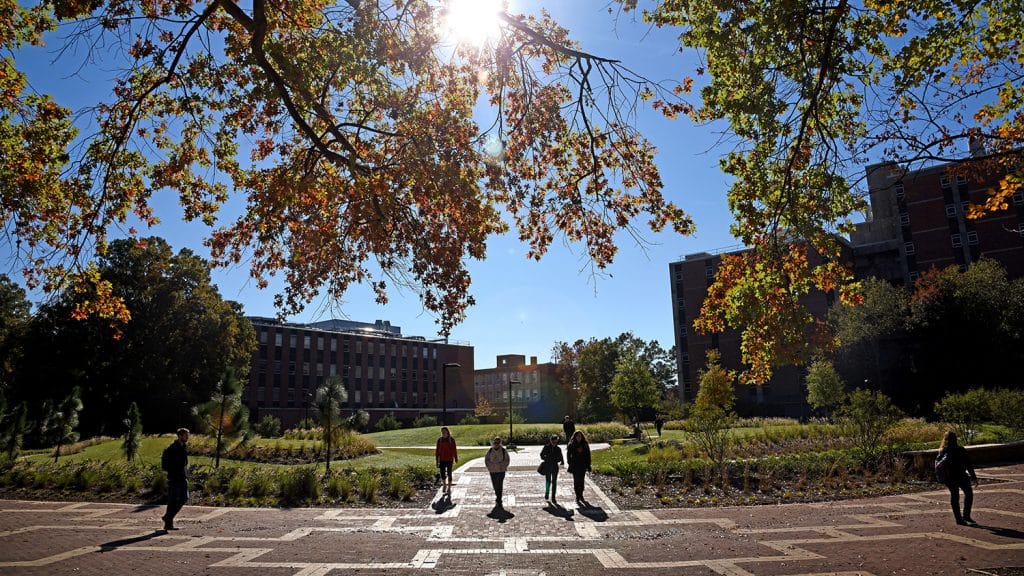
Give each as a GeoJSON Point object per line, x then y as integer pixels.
{"type": "Point", "coordinates": [307, 341]}
{"type": "Point", "coordinates": [356, 400]}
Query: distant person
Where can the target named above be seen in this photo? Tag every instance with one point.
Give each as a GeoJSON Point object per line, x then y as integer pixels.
{"type": "Point", "coordinates": [659, 422]}
{"type": "Point", "coordinates": [960, 475]}
{"type": "Point", "coordinates": [497, 461]}
{"type": "Point", "coordinates": [446, 455]}
{"type": "Point", "coordinates": [174, 461]}
{"type": "Point", "coordinates": [568, 426]}
{"type": "Point", "coordinates": [551, 460]}
{"type": "Point", "coordinates": [578, 453]}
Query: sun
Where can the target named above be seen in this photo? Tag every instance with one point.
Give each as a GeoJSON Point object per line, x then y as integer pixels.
{"type": "Point", "coordinates": [473, 22]}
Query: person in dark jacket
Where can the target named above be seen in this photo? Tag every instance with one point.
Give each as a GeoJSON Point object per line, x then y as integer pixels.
{"type": "Point", "coordinates": [568, 426]}
{"type": "Point", "coordinates": [175, 463]}
{"type": "Point", "coordinates": [497, 461]}
{"type": "Point", "coordinates": [551, 460]}
{"type": "Point", "coordinates": [960, 476]}
{"type": "Point", "coordinates": [659, 423]}
{"type": "Point", "coordinates": [578, 453]}
{"type": "Point", "coordinates": [446, 455]}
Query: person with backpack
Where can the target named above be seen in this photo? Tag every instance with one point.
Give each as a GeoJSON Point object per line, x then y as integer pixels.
{"type": "Point", "coordinates": [953, 467]}
{"type": "Point", "coordinates": [551, 460]}
{"type": "Point", "coordinates": [174, 461]}
{"type": "Point", "coordinates": [497, 461]}
{"type": "Point", "coordinates": [446, 455]}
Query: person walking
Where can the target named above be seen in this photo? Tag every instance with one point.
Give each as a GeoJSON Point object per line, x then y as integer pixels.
{"type": "Point", "coordinates": [446, 454]}
{"type": "Point", "coordinates": [568, 426]}
{"type": "Point", "coordinates": [174, 461]}
{"type": "Point", "coordinates": [551, 460]}
{"type": "Point", "coordinates": [960, 475]}
{"type": "Point", "coordinates": [578, 453]}
{"type": "Point", "coordinates": [497, 461]}
{"type": "Point", "coordinates": [659, 422]}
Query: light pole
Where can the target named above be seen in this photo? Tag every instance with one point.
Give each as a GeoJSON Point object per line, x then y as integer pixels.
{"type": "Point", "coordinates": [305, 420]}
{"type": "Point", "coordinates": [444, 389]}
{"type": "Point", "coordinates": [510, 383]}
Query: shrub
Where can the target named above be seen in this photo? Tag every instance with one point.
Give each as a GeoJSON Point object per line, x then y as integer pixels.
{"type": "Point", "coordinates": [964, 412]}
{"type": "Point", "coordinates": [868, 418]}
{"type": "Point", "coordinates": [1007, 409]}
{"type": "Point", "coordinates": [306, 424]}
{"type": "Point", "coordinates": [339, 486]}
{"type": "Point", "coordinates": [369, 485]}
{"type": "Point", "coordinates": [157, 481]}
{"type": "Point", "coordinates": [399, 487]}
{"type": "Point", "coordinates": [358, 420]}
{"type": "Point", "coordinates": [236, 487]}
{"type": "Point", "coordinates": [261, 484]}
{"type": "Point", "coordinates": [299, 486]}
{"type": "Point", "coordinates": [605, 431]}
{"type": "Point", "coordinates": [269, 426]}
{"type": "Point", "coordinates": [387, 422]}
{"type": "Point", "coordinates": [469, 420]}
{"type": "Point", "coordinates": [426, 421]}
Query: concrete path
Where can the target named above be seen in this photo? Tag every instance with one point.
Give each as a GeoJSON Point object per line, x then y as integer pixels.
{"type": "Point", "coordinates": [912, 534]}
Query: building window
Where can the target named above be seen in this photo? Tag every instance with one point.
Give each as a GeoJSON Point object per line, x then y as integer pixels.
{"type": "Point", "coordinates": [961, 179]}
{"type": "Point", "coordinates": [944, 180]}
{"type": "Point", "coordinates": [305, 368]}
{"type": "Point", "coordinates": [913, 276]}
{"type": "Point", "coordinates": [306, 342]}
{"type": "Point", "coordinates": [972, 238]}
{"type": "Point", "coordinates": [292, 339]}
{"type": "Point", "coordinates": [277, 339]}
{"type": "Point", "coordinates": [909, 247]}
{"type": "Point", "coordinates": [951, 210]}
{"type": "Point", "coordinates": [904, 219]}
{"type": "Point", "coordinates": [1018, 198]}
{"type": "Point", "coordinates": [900, 192]}
{"type": "Point", "coordinates": [263, 336]}
{"type": "Point", "coordinates": [964, 206]}
{"type": "Point", "coordinates": [957, 242]}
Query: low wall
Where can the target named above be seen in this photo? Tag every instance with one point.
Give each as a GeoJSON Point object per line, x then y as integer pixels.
{"type": "Point", "coordinates": [981, 453]}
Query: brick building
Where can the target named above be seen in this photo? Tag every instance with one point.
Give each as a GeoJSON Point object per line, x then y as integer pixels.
{"type": "Point", "coordinates": [382, 371]}
{"type": "Point", "coordinates": [535, 392]}
{"type": "Point", "coordinates": [917, 222]}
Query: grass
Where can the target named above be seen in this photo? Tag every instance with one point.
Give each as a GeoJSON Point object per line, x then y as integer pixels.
{"type": "Point", "coordinates": [465, 435]}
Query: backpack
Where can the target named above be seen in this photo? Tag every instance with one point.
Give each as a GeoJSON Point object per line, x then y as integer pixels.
{"type": "Point", "coordinates": [165, 459]}
{"type": "Point", "coordinates": [942, 467]}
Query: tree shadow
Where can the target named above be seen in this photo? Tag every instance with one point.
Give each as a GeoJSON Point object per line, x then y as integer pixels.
{"type": "Point", "coordinates": [115, 544]}
{"type": "Point", "coordinates": [559, 511]}
{"type": "Point", "coordinates": [500, 514]}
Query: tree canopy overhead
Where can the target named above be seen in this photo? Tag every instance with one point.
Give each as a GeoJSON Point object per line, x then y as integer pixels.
{"type": "Point", "coordinates": [347, 127]}
{"type": "Point", "coordinates": [811, 91]}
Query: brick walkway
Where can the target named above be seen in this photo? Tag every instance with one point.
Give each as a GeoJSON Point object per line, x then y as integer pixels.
{"type": "Point", "coordinates": [911, 534]}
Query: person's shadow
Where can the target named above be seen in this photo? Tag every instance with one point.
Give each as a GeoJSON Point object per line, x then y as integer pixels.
{"type": "Point", "coordinates": [1004, 532]}
{"type": "Point", "coordinates": [115, 544]}
{"type": "Point", "coordinates": [557, 510]}
{"type": "Point", "coordinates": [443, 504]}
{"type": "Point", "coordinates": [500, 514]}
{"type": "Point", "coordinates": [594, 513]}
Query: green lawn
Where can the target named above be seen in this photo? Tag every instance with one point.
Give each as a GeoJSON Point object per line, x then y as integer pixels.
{"type": "Point", "coordinates": [468, 435]}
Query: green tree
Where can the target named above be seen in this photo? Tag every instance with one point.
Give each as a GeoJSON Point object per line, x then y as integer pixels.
{"type": "Point", "coordinates": [329, 398]}
{"type": "Point", "coordinates": [132, 433]}
{"type": "Point", "coordinates": [65, 422]}
{"type": "Point", "coordinates": [825, 388]}
{"type": "Point", "coordinates": [179, 340]}
{"type": "Point", "coordinates": [711, 418]}
{"type": "Point", "coordinates": [634, 389]}
{"type": "Point", "coordinates": [269, 426]}
{"type": "Point", "coordinates": [1007, 408]}
{"type": "Point", "coordinates": [14, 431]}
{"type": "Point", "coordinates": [807, 91]}
{"type": "Point", "coordinates": [594, 372]}
{"type": "Point", "coordinates": [224, 416]}
{"type": "Point", "coordinates": [868, 417]}
{"type": "Point", "coordinates": [965, 411]}
{"type": "Point", "coordinates": [15, 316]}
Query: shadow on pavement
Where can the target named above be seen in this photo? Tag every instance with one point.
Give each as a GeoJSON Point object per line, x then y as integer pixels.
{"type": "Point", "coordinates": [115, 544]}
{"type": "Point", "coordinates": [443, 504]}
{"type": "Point", "coordinates": [594, 513]}
{"type": "Point", "coordinates": [500, 514]}
{"type": "Point", "coordinates": [557, 510]}
{"type": "Point", "coordinates": [144, 507]}
{"type": "Point", "coordinates": [1004, 532]}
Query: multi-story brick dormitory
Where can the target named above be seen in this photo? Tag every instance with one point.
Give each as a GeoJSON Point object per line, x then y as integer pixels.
{"type": "Point", "coordinates": [531, 390]}
{"type": "Point", "coordinates": [383, 371]}
{"type": "Point", "coordinates": [917, 222]}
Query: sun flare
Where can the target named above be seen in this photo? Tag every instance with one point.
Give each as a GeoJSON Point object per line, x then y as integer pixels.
{"type": "Point", "coordinates": [474, 22]}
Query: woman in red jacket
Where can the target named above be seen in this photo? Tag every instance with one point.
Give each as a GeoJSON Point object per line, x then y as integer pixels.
{"type": "Point", "coordinates": [446, 455]}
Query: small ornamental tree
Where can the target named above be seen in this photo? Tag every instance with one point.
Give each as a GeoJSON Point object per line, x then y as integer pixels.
{"type": "Point", "coordinates": [1007, 408]}
{"type": "Point", "coordinates": [65, 423]}
{"type": "Point", "coordinates": [712, 414]}
{"type": "Point", "coordinates": [633, 388]}
{"type": "Point", "coordinates": [224, 416]}
{"type": "Point", "coordinates": [868, 417]}
{"type": "Point", "coordinates": [329, 398]}
{"type": "Point", "coordinates": [964, 411]}
{"type": "Point", "coordinates": [483, 408]}
{"type": "Point", "coordinates": [132, 433]}
{"type": "Point", "coordinates": [825, 388]}
{"type": "Point", "coordinates": [269, 426]}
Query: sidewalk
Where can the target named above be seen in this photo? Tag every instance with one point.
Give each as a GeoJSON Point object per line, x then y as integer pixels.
{"type": "Point", "coordinates": [909, 534]}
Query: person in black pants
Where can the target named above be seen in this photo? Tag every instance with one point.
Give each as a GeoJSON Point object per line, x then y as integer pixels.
{"type": "Point", "coordinates": [551, 460]}
{"type": "Point", "coordinates": [578, 452]}
{"type": "Point", "coordinates": [568, 426]}
{"type": "Point", "coordinates": [960, 476]}
{"type": "Point", "coordinates": [174, 461]}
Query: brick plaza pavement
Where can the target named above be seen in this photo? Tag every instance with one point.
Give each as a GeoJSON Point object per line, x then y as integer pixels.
{"type": "Point", "coordinates": [910, 534]}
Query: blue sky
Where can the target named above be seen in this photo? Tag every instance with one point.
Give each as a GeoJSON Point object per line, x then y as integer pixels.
{"type": "Point", "coordinates": [524, 306]}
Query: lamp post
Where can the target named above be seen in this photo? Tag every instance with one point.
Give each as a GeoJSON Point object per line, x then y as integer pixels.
{"type": "Point", "coordinates": [444, 389]}
{"type": "Point", "coordinates": [305, 420]}
{"type": "Point", "coordinates": [510, 383]}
